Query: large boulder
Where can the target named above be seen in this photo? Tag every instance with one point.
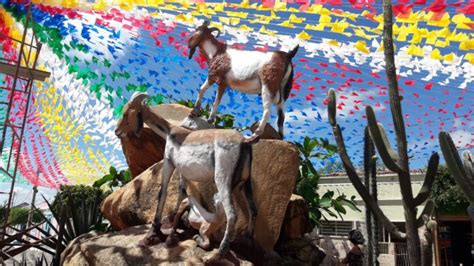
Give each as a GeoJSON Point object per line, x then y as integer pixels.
{"type": "Point", "coordinates": [296, 223]}
{"type": "Point", "coordinates": [147, 149]}
{"type": "Point", "coordinates": [135, 203]}
{"type": "Point", "coordinates": [274, 169]}
{"type": "Point", "coordinates": [121, 248]}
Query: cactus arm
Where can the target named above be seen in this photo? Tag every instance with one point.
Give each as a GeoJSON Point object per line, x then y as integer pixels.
{"type": "Point", "coordinates": [455, 165]}
{"type": "Point", "coordinates": [392, 153]}
{"type": "Point", "coordinates": [381, 142]}
{"type": "Point", "coordinates": [361, 189]}
{"type": "Point", "coordinates": [352, 174]}
{"type": "Point", "coordinates": [429, 179]}
{"type": "Point", "coordinates": [395, 98]}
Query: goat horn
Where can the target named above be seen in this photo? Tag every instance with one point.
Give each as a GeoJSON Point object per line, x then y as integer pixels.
{"type": "Point", "coordinates": [139, 98]}
{"type": "Point", "coordinates": [216, 29]}
{"type": "Point", "coordinates": [206, 23]}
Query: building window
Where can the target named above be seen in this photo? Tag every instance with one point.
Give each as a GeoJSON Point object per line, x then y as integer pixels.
{"type": "Point", "coordinates": [336, 228]}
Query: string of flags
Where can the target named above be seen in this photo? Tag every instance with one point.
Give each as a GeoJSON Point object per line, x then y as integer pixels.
{"type": "Point", "coordinates": [99, 53]}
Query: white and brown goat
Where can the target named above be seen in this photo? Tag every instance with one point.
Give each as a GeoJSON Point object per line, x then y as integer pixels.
{"type": "Point", "coordinates": [267, 73]}
{"type": "Point", "coordinates": [221, 155]}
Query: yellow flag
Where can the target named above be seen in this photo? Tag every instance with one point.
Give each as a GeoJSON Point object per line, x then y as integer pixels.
{"type": "Point", "coordinates": [361, 46]}
{"type": "Point", "coordinates": [244, 4]}
{"type": "Point", "coordinates": [470, 57]}
{"type": "Point", "coordinates": [334, 42]}
{"type": "Point", "coordinates": [467, 45]}
{"type": "Point", "coordinates": [224, 20]}
{"type": "Point", "coordinates": [339, 27]}
{"type": "Point", "coordinates": [188, 18]}
{"type": "Point", "coordinates": [436, 54]}
{"type": "Point", "coordinates": [70, 3]}
{"type": "Point", "coordinates": [304, 36]}
{"type": "Point", "coordinates": [442, 44]}
{"type": "Point", "coordinates": [314, 9]}
{"type": "Point", "coordinates": [219, 7]}
{"type": "Point", "coordinates": [237, 14]}
{"type": "Point", "coordinates": [294, 19]}
{"type": "Point", "coordinates": [449, 57]}
{"type": "Point", "coordinates": [415, 50]}
{"type": "Point", "coordinates": [279, 6]}
{"type": "Point", "coordinates": [234, 21]}
{"type": "Point", "coordinates": [246, 28]}
{"type": "Point", "coordinates": [325, 19]}
{"type": "Point", "coordinates": [287, 24]}
{"type": "Point", "coordinates": [100, 5]}
{"type": "Point", "coordinates": [319, 27]}
{"type": "Point", "coordinates": [443, 22]}
{"type": "Point", "coordinates": [266, 31]}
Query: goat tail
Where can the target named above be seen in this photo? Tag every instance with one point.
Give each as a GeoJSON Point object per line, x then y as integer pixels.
{"type": "Point", "coordinates": [293, 52]}
{"type": "Point", "coordinates": [286, 88]}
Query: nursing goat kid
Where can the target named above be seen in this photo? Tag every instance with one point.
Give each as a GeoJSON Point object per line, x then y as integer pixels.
{"type": "Point", "coordinates": [267, 73]}
{"type": "Point", "coordinates": [221, 155]}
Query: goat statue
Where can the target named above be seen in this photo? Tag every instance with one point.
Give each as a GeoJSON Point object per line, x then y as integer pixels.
{"type": "Point", "coordinates": [221, 155]}
{"type": "Point", "coordinates": [267, 73]}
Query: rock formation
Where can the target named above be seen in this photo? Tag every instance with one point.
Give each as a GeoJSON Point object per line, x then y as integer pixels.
{"type": "Point", "coordinates": [274, 170]}
{"type": "Point", "coordinates": [144, 151]}
{"type": "Point", "coordinates": [121, 248]}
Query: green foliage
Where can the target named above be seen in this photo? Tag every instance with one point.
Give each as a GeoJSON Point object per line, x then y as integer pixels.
{"type": "Point", "coordinates": [114, 179]}
{"type": "Point", "coordinates": [20, 216]}
{"type": "Point", "coordinates": [308, 180]}
{"type": "Point", "coordinates": [222, 120]}
{"type": "Point", "coordinates": [76, 210]}
{"type": "Point", "coordinates": [447, 195]}
{"type": "Point", "coordinates": [2, 214]}
{"type": "Point", "coordinates": [77, 196]}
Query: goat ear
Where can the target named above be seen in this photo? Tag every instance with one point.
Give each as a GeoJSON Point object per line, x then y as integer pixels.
{"type": "Point", "coordinates": [135, 122]}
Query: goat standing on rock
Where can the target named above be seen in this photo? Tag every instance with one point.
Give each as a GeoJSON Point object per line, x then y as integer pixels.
{"type": "Point", "coordinates": [267, 73]}
{"type": "Point", "coordinates": [221, 155]}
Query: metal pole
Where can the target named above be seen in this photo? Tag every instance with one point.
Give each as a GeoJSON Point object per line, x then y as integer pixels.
{"type": "Point", "coordinates": [33, 198]}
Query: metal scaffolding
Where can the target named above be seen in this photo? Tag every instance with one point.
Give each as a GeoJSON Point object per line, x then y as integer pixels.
{"type": "Point", "coordinates": [20, 74]}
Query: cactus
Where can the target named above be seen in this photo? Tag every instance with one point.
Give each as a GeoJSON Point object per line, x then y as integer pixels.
{"type": "Point", "coordinates": [395, 161]}
{"type": "Point", "coordinates": [462, 171]}
{"type": "Point", "coordinates": [370, 181]}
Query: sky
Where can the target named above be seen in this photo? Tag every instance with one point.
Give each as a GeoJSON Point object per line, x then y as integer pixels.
{"type": "Point", "coordinates": [99, 56]}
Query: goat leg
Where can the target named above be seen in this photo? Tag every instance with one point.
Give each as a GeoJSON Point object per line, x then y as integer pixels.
{"type": "Point", "coordinates": [251, 207]}
{"type": "Point", "coordinates": [281, 118]}
{"type": "Point", "coordinates": [217, 101]}
{"type": "Point", "coordinates": [267, 105]}
{"type": "Point", "coordinates": [181, 206]}
{"type": "Point", "coordinates": [202, 90]}
{"type": "Point", "coordinates": [155, 235]}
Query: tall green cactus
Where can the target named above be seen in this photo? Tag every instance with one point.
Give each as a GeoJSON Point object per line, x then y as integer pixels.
{"type": "Point", "coordinates": [462, 171]}
{"type": "Point", "coordinates": [396, 161]}
{"type": "Point", "coordinates": [370, 181]}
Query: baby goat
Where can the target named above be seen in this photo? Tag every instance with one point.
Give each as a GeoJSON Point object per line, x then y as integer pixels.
{"type": "Point", "coordinates": [221, 155]}
{"type": "Point", "coordinates": [269, 74]}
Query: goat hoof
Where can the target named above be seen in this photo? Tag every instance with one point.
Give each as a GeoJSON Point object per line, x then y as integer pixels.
{"type": "Point", "coordinates": [212, 259]}
{"type": "Point", "coordinates": [211, 121]}
{"type": "Point", "coordinates": [172, 240]}
{"type": "Point", "coordinates": [194, 112]}
{"type": "Point", "coordinates": [202, 242]}
{"type": "Point", "coordinates": [152, 238]}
